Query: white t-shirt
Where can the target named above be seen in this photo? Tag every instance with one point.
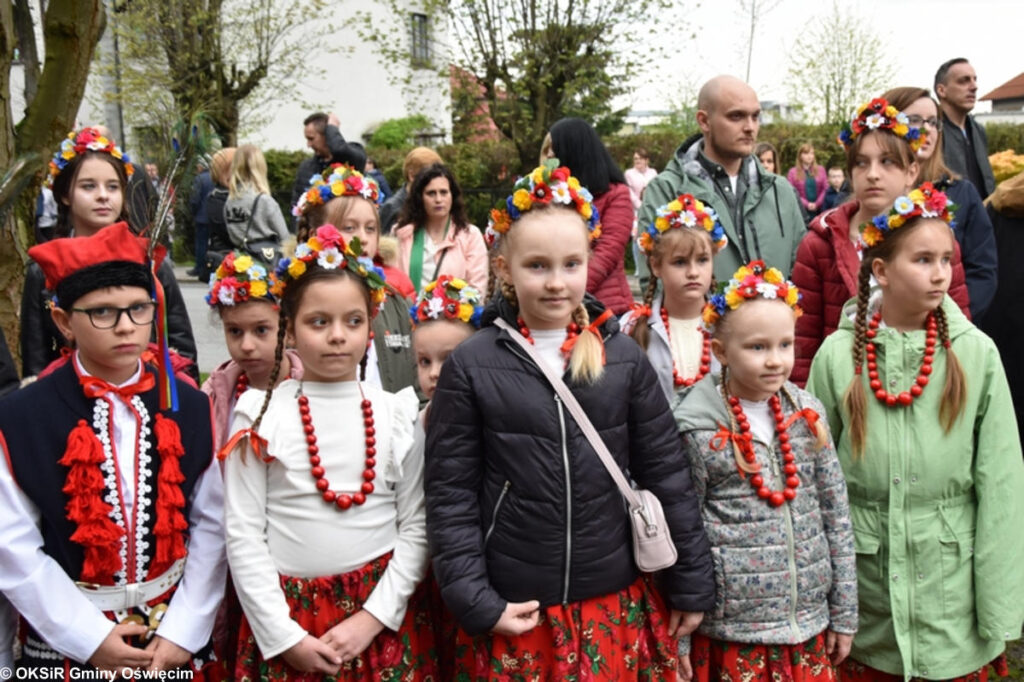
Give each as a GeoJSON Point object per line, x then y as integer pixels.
{"type": "Point", "coordinates": [548, 343]}
{"type": "Point", "coordinates": [687, 344]}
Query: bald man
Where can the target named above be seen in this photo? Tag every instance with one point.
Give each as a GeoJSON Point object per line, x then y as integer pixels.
{"type": "Point", "coordinates": [759, 210]}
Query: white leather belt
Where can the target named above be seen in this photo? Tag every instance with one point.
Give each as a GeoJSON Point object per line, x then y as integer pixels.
{"type": "Point", "coordinates": [124, 597]}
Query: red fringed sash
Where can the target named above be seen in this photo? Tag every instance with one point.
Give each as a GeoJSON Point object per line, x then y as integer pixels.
{"type": "Point", "coordinates": [170, 521]}
{"type": "Point", "coordinates": [84, 486]}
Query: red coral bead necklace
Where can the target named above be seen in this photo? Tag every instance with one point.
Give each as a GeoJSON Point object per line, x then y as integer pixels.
{"type": "Point", "coordinates": [241, 385]}
{"type": "Point", "coordinates": [572, 330]}
{"type": "Point", "coordinates": [705, 356]}
{"type": "Point", "coordinates": [775, 498]}
{"type": "Point", "coordinates": [340, 500]}
{"type": "Point", "coordinates": [903, 398]}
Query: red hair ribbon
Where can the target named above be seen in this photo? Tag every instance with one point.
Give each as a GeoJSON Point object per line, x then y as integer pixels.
{"type": "Point", "coordinates": [595, 329]}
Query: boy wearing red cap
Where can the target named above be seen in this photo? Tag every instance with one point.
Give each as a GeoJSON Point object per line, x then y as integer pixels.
{"type": "Point", "coordinates": [111, 521]}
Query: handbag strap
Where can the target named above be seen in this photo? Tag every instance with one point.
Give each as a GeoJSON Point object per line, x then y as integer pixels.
{"type": "Point", "coordinates": [578, 414]}
{"type": "Point", "coordinates": [252, 214]}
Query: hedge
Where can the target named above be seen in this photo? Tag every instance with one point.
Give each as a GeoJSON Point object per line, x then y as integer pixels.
{"type": "Point", "coordinates": [486, 170]}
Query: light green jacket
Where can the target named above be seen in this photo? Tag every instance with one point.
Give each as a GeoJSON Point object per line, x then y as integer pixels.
{"type": "Point", "coordinates": [773, 224]}
{"type": "Point", "coordinates": [938, 517]}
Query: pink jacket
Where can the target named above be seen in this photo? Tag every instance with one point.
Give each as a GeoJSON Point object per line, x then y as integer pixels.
{"type": "Point", "coordinates": [220, 386]}
{"type": "Point", "coordinates": [465, 255]}
{"type": "Point", "coordinates": [820, 183]}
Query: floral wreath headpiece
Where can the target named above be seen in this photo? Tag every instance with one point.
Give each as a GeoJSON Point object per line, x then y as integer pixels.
{"type": "Point", "coordinates": [751, 281]}
{"type": "Point", "coordinates": [328, 250]}
{"type": "Point", "coordinates": [337, 180]}
{"type": "Point", "coordinates": [547, 184]}
{"type": "Point", "coordinates": [685, 211]}
{"type": "Point", "coordinates": [924, 201]}
{"type": "Point", "coordinates": [238, 279]}
{"type": "Point", "coordinates": [448, 298]}
{"type": "Point", "coordinates": [85, 140]}
{"type": "Point", "coordinates": [878, 114]}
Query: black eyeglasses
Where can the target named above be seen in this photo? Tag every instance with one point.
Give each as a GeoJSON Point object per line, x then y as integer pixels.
{"type": "Point", "coordinates": [918, 121]}
{"type": "Point", "coordinates": [107, 317]}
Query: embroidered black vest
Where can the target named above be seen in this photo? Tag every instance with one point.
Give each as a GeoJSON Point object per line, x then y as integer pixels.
{"type": "Point", "coordinates": [34, 424]}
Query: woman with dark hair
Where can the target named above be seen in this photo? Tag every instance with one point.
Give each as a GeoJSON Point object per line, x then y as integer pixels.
{"type": "Point", "coordinates": [435, 237]}
{"type": "Point", "coordinates": [973, 230]}
{"type": "Point", "coordinates": [768, 156]}
{"type": "Point", "coordinates": [577, 146]}
{"type": "Point", "coordinates": [89, 174]}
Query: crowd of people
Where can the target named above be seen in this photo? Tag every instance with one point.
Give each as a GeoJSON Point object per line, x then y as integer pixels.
{"type": "Point", "coordinates": [441, 452]}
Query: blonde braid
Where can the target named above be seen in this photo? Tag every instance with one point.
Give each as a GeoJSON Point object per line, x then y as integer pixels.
{"type": "Point", "coordinates": [586, 364]}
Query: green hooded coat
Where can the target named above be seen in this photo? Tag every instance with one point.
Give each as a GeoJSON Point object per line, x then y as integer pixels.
{"type": "Point", "coordinates": [938, 517]}
{"type": "Point", "coordinates": [772, 226]}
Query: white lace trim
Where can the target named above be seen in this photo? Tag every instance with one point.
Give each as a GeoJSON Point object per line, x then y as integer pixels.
{"type": "Point", "coordinates": [143, 490]}
{"type": "Point", "coordinates": [101, 425]}
{"type": "Point", "coordinates": [143, 485]}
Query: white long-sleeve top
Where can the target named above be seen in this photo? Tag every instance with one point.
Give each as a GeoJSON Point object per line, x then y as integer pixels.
{"type": "Point", "coordinates": [47, 597]}
{"type": "Point", "coordinates": [278, 523]}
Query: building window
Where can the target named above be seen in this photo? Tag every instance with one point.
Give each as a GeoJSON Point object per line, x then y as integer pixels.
{"type": "Point", "coordinates": [420, 44]}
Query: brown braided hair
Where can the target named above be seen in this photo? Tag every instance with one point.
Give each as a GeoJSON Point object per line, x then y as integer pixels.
{"type": "Point", "coordinates": [275, 372]}
{"type": "Point", "coordinates": [855, 398]}
{"type": "Point", "coordinates": [954, 391]}
{"type": "Point", "coordinates": [954, 388]}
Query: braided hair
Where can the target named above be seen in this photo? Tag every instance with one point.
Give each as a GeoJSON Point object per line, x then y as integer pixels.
{"type": "Point", "coordinates": [954, 391]}
{"type": "Point", "coordinates": [290, 302]}
{"type": "Point", "coordinates": [665, 244]}
{"type": "Point", "coordinates": [586, 362]}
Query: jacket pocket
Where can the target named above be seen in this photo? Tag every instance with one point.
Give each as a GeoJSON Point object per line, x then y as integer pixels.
{"type": "Point", "coordinates": [867, 544]}
{"type": "Point", "coordinates": [494, 513]}
{"type": "Point", "coordinates": [956, 550]}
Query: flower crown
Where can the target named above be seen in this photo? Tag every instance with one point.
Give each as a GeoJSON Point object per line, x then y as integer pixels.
{"type": "Point", "coordinates": [878, 114]}
{"type": "Point", "coordinates": [683, 211]}
{"type": "Point", "coordinates": [337, 180]}
{"type": "Point", "coordinates": [547, 184]}
{"type": "Point", "coordinates": [753, 280]}
{"type": "Point", "coordinates": [924, 201]}
{"type": "Point", "coordinates": [238, 279]}
{"type": "Point", "coordinates": [448, 298]}
{"type": "Point", "coordinates": [328, 250]}
{"type": "Point", "coordinates": [85, 140]}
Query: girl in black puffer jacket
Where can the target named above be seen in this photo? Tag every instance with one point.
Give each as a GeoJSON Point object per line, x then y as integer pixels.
{"type": "Point", "coordinates": [530, 535]}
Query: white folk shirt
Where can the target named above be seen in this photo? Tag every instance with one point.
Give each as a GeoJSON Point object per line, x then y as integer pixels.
{"type": "Point", "coordinates": [278, 522]}
{"type": "Point", "coordinates": [41, 591]}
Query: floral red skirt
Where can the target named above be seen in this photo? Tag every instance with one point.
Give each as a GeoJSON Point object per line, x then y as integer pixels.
{"type": "Point", "coordinates": [318, 604]}
{"type": "Point", "coordinates": [852, 671]}
{"type": "Point", "coordinates": [716, 661]}
{"type": "Point", "coordinates": [621, 636]}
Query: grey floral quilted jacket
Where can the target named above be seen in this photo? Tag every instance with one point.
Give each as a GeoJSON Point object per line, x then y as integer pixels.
{"type": "Point", "coordinates": [782, 574]}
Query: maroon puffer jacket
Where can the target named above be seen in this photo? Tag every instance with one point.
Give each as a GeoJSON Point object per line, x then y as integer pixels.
{"type": "Point", "coordinates": [606, 271]}
{"type": "Point", "coordinates": [826, 274]}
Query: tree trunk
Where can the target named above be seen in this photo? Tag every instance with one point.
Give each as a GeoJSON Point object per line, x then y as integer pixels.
{"type": "Point", "coordinates": [27, 47]}
{"type": "Point", "coordinates": [70, 32]}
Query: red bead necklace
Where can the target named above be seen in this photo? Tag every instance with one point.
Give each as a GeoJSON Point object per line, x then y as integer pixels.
{"type": "Point", "coordinates": [705, 356]}
{"type": "Point", "coordinates": [903, 398]}
{"type": "Point", "coordinates": [775, 498]}
{"type": "Point", "coordinates": [241, 385]}
{"type": "Point", "coordinates": [341, 500]}
{"type": "Point", "coordinates": [571, 332]}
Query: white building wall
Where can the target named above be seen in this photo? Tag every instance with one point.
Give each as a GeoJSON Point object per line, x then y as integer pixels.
{"type": "Point", "coordinates": [353, 82]}
{"type": "Point", "coordinates": [356, 84]}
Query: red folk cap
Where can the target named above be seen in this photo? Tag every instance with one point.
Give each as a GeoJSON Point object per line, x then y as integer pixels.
{"type": "Point", "coordinates": [59, 258]}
